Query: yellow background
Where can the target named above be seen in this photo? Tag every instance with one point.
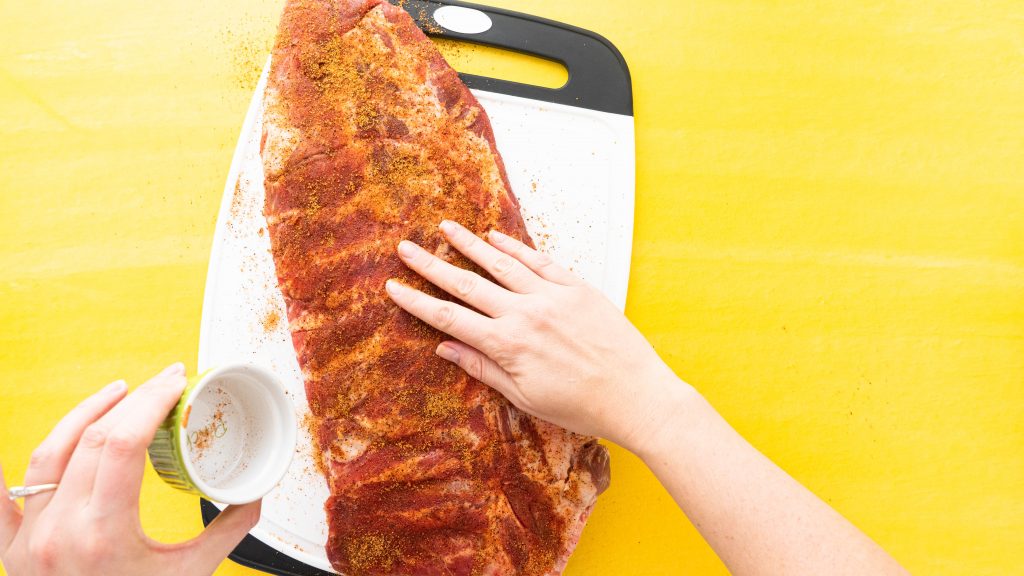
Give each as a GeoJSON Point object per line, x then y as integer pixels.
{"type": "Point", "coordinates": [829, 242]}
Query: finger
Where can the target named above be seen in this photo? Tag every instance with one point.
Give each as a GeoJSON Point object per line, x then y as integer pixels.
{"type": "Point", "coordinates": [50, 459]}
{"type": "Point", "coordinates": [80, 475]}
{"type": "Point", "coordinates": [447, 317]}
{"type": "Point", "coordinates": [123, 461]}
{"type": "Point", "coordinates": [463, 284]}
{"type": "Point", "coordinates": [508, 271]}
{"type": "Point", "coordinates": [10, 516]}
{"type": "Point", "coordinates": [206, 551]}
{"type": "Point", "coordinates": [541, 264]}
{"type": "Point", "coordinates": [478, 366]}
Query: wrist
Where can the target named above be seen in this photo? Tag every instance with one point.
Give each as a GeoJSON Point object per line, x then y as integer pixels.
{"type": "Point", "coordinates": [659, 403]}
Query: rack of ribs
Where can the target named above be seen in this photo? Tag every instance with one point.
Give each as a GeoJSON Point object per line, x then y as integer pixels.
{"type": "Point", "coordinates": [370, 137]}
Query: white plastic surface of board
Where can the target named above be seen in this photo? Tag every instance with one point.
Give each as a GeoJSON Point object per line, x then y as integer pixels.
{"type": "Point", "coordinates": [573, 172]}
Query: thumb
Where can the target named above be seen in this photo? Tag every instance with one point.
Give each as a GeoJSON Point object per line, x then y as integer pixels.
{"type": "Point", "coordinates": [206, 551]}
{"type": "Point", "coordinates": [10, 516]}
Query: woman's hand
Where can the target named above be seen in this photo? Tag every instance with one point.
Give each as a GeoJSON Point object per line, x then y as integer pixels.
{"type": "Point", "coordinates": [90, 524]}
{"type": "Point", "coordinates": [549, 342]}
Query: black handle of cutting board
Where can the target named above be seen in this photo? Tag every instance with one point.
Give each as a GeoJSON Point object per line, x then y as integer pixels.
{"type": "Point", "coordinates": [598, 75]}
{"type": "Point", "coordinates": [598, 80]}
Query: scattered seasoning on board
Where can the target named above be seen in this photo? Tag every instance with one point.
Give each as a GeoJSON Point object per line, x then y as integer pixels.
{"type": "Point", "coordinates": [237, 201]}
{"type": "Point", "coordinates": [428, 24]}
{"type": "Point", "coordinates": [271, 320]}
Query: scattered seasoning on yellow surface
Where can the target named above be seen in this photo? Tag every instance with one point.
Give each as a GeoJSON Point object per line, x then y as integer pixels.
{"type": "Point", "coordinates": [248, 52]}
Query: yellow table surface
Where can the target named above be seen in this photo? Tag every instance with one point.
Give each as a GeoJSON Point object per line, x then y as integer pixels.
{"type": "Point", "coordinates": [829, 242]}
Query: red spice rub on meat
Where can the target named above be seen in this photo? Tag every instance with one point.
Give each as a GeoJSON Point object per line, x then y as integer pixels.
{"type": "Point", "coordinates": [370, 137]}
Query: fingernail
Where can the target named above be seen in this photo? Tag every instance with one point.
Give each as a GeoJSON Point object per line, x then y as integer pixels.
{"type": "Point", "coordinates": [176, 369]}
{"type": "Point", "coordinates": [394, 287]}
{"type": "Point", "coordinates": [447, 226]}
{"type": "Point", "coordinates": [406, 249]}
{"type": "Point", "coordinates": [498, 237]}
{"type": "Point", "coordinates": [448, 353]}
{"type": "Point", "coordinates": [115, 387]}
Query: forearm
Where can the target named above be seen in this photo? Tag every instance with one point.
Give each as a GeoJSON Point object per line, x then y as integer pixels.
{"type": "Point", "coordinates": [559, 350]}
{"type": "Point", "coordinates": [757, 518]}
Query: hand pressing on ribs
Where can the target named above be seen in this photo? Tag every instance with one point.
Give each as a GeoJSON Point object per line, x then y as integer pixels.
{"type": "Point", "coordinates": [548, 341]}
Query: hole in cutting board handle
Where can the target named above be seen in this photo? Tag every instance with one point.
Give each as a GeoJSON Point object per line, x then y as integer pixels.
{"type": "Point", "coordinates": [461, 19]}
{"type": "Point", "coordinates": [502, 64]}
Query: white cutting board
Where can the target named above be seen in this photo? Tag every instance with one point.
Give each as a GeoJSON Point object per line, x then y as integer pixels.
{"type": "Point", "coordinates": [573, 172]}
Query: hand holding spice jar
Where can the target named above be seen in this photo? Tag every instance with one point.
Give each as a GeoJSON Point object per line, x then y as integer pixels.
{"type": "Point", "coordinates": [89, 524]}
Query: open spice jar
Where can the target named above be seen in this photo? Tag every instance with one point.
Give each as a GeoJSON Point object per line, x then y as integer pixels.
{"type": "Point", "coordinates": [231, 436]}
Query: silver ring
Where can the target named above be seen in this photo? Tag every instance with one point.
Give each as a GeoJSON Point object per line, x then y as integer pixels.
{"type": "Point", "coordinates": [15, 492]}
